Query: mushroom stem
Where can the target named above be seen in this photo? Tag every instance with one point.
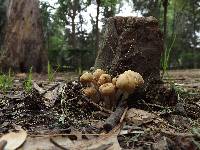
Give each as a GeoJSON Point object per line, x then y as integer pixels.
{"type": "Point", "coordinates": [113, 102]}
{"type": "Point", "coordinates": [89, 84]}
{"type": "Point", "coordinates": [94, 84]}
{"type": "Point", "coordinates": [108, 91]}
{"type": "Point", "coordinates": [125, 95]}
{"type": "Point", "coordinates": [107, 102]}
{"type": "Point", "coordinates": [118, 94]}
{"type": "Point", "coordinates": [96, 98]}
{"type": "Point", "coordinates": [92, 93]}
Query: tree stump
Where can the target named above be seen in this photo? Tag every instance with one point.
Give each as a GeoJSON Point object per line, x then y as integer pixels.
{"type": "Point", "coordinates": [24, 39]}
{"type": "Point", "coordinates": [134, 43]}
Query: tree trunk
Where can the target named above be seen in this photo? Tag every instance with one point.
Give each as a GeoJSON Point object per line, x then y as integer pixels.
{"type": "Point", "coordinates": [135, 43]}
{"type": "Point", "coordinates": [73, 32]}
{"type": "Point", "coordinates": [174, 20]}
{"type": "Point", "coordinates": [194, 37]}
{"type": "Point", "coordinates": [24, 39]}
{"type": "Point", "coordinates": [165, 5]}
{"type": "Point", "coordinates": [97, 27]}
{"type": "Point", "coordinates": [73, 16]}
{"type": "Point", "coordinates": [3, 8]}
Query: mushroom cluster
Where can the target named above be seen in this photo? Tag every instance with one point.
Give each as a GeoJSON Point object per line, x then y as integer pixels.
{"type": "Point", "coordinates": [101, 87]}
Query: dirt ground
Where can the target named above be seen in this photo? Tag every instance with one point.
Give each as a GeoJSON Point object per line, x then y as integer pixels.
{"type": "Point", "coordinates": [174, 123]}
{"type": "Point", "coordinates": [189, 79]}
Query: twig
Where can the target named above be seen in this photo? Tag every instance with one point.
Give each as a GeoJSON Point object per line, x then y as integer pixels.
{"type": "Point", "coordinates": [55, 135]}
{"type": "Point", "coordinates": [116, 117]}
{"type": "Point", "coordinates": [97, 106]}
{"type": "Point", "coordinates": [2, 144]}
{"type": "Point", "coordinates": [154, 105]}
{"type": "Point", "coordinates": [103, 146]}
{"type": "Point", "coordinates": [58, 145]}
{"type": "Point", "coordinates": [167, 133]}
{"type": "Point", "coordinates": [124, 114]}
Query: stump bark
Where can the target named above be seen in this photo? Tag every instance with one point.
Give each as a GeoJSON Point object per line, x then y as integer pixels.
{"type": "Point", "coordinates": [24, 41]}
{"type": "Point", "coordinates": [133, 43]}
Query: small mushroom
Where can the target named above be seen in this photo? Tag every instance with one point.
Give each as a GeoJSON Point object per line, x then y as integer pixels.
{"type": "Point", "coordinates": [107, 90]}
{"type": "Point", "coordinates": [114, 80]}
{"type": "Point", "coordinates": [92, 93]}
{"type": "Point", "coordinates": [138, 77]}
{"type": "Point", "coordinates": [86, 78]}
{"type": "Point", "coordinates": [104, 78]}
{"type": "Point", "coordinates": [128, 82]}
{"type": "Point", "coordinates": [97, 73]}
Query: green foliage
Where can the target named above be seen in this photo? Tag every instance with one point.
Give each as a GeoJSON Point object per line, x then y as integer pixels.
{"type": "Point", "coordinates": [149, 8]}
{"type": "Point", "coordinates": [45, 9]}
{"type": "Point", "coordinates": [180, 90]}
{"type": "Point", "coordinates": [28, 84]}
{"type": "Point", "coordinates": [79, 70]}
{"type": "Point", "coordinates": [6, 81]}
{"type": "Point", "coordinates": [182, 21]}
{"type": "Point", "coordinates": [186, 25]}
{"type": "Point", "coordinates": [56, 44]}
{"type": "Point", "coordinates": [196, 131]}
{"type": "Point", "coordinates": [166, 56]}
{"type": "Point", "coordinates": [51, 73]}
{"type": "Point", "coordinates": [109, 2]}
{"type": "Point", "coordinates": [67, 8]}
{"type": "Point", "coordinates": [187, 58]}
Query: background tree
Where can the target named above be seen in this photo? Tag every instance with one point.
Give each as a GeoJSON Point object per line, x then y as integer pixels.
{"type": "Point", "coordinates": [68, 10]}
{"type": "Point", "coordinates": [165, 4]}
{"type": "Point", "coordinates": [148, 8]}
{"type": "Point", "coordinates": [186, 52]}
{"type": "Point", "coordinates": [178, 20]}
{"type": "Point", "coordinates": [109, 7]}
{"type": "Point", "coordinates": [24, 42]}
{"type": "Point", "coordinates": [46, 9]}
{"type": "Point", "coordinates": [2, 20]}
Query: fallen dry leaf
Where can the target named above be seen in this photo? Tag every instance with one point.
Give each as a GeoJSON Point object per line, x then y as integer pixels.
{"type": "Point", "coordinates": [52, 96]}
{"type": "Point", "coordinates": [21, 75]}
{"type": "Point", "coordinates": [107, 141]}
{"type": "Point", "coordinates": [43, 142]}
{"type": "Point", "coordinates": [103, 142]}
{"type": "Point", "coordinates": [138, 116]}
{"type": "Point", "coordinates": [53, 142]}
{"type": "Point", "coordinates": [39, 89]}
{"type": "Point", "coordinates": [14, 139]}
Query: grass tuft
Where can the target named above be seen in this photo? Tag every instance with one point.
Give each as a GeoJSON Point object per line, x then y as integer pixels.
{"type": "Point", "coordinates": [166, 56]}
{"type": "Point", "coordinates": [6, 81]}
{"type": "Point", "coordinates": [51, 73]}
{"type": "Point", "coordinates": [28, 84]}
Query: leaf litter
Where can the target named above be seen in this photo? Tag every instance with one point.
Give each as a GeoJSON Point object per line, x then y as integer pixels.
{"type": "Point", "coordinates": [144, 127]}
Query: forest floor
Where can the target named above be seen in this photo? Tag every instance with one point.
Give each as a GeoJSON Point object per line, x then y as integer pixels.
{"type": "Point", "coordinates": [40, 113]}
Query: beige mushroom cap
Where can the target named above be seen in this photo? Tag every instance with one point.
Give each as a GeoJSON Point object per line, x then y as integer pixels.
{"type": "Point", "coordinates": [129, 80]}
{"type": "Point", "coordinates": [97, 73]}
{"type": "Point", "coordinates": [104, 78]}
{"type": "Point", "coordinates": [107, 89]}
{"type": "Point", "coordinates": [89, 91]}
{"type": "Point", "coordinates": [86, 77]}
{"type": "Point", "coordinates": [114, 80]}
{"type": "Point", "coordinates": [139, 79]}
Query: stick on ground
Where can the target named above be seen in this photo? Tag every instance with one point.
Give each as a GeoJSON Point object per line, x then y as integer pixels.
{"type": "Point", "coordinates": [115, 117]}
